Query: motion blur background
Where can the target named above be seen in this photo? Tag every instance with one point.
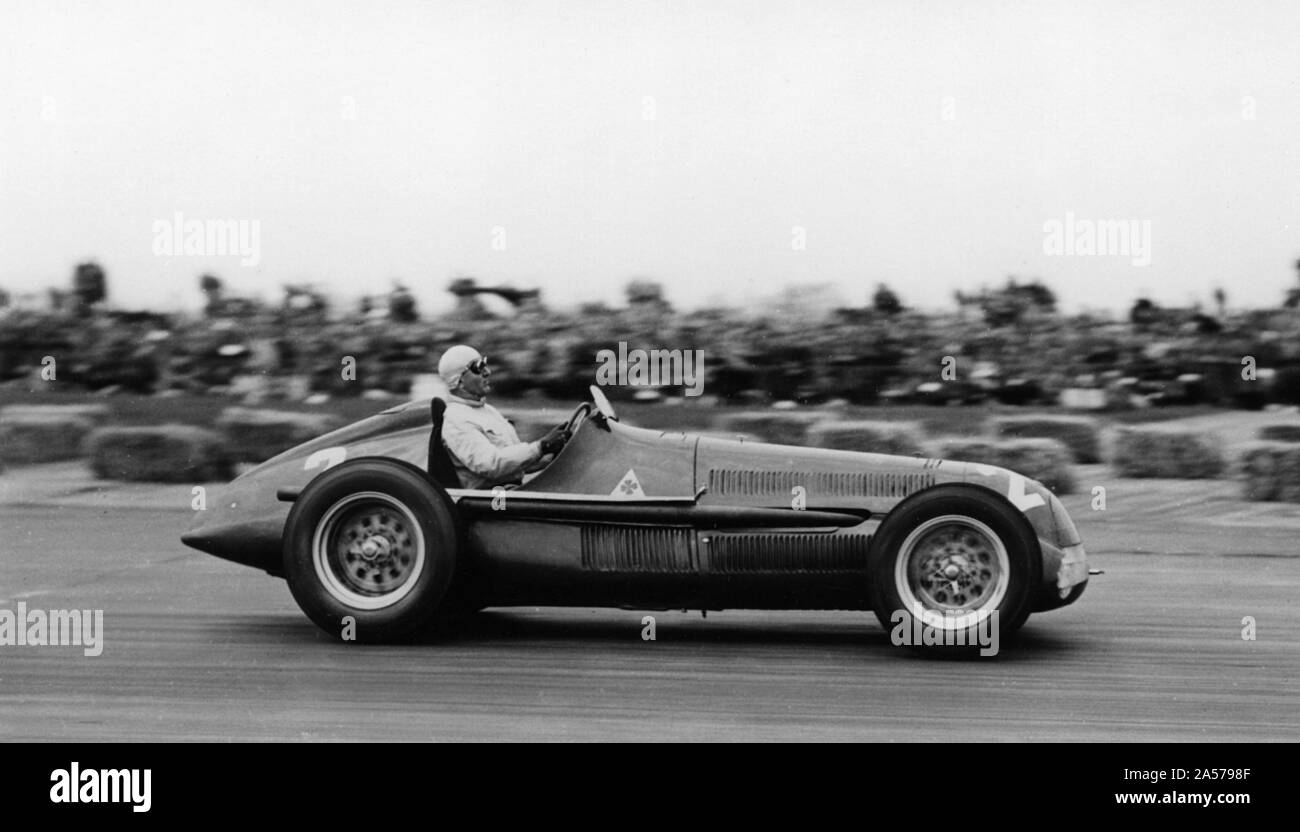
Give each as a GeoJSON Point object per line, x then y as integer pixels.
{"type": "Point", "coordinates": [825, 199]}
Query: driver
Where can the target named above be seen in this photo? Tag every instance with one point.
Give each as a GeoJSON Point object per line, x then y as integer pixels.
{"type": "Point", "coordinates": [483, 446]}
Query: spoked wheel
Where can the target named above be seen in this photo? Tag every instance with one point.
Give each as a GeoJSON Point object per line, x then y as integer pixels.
{"type": "Point", "coordinates": [952, 565]}
{"type": "Point", "coordinates": [949, 565]}
{"type": "Point", "coordinates": [366, 550]}
{"type": "Point", "coordinates": [370, 549]}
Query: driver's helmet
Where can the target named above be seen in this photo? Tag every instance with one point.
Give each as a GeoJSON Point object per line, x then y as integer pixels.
{"type": "Point", "coordinates": [455, 361]}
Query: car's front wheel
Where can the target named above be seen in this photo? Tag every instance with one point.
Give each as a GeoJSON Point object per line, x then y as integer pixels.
{"type": "Point", "coordinates": [370, 549]}
{"type": "Point", "coordinates": [953, 567]}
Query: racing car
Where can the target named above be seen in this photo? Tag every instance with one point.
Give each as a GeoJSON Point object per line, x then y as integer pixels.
{"type": "Point", "coordinates": [379, 542]}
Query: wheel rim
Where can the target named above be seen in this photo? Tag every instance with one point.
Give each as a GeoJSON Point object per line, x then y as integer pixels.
{"type": "Point", "coordinates": [368, 550]}
{"type": "Point", "coordinates": [954, 569]}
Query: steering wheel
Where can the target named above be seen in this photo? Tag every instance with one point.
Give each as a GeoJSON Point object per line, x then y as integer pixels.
{"type": "Point", "coordinates": [583, 411]}
{"type": "Point", "coordinates": [602, 404]}
{"type": "Point", "coordinates": [579, 415]}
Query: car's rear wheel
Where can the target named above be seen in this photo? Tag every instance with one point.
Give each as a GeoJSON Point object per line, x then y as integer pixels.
{"type": "Point", "coordinates": [951, 565]}
{"type": "Point", "coordinates": [370, 549]}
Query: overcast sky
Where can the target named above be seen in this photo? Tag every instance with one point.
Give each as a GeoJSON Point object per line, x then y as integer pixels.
{"type": "Point", "coordinates": [574, 145]}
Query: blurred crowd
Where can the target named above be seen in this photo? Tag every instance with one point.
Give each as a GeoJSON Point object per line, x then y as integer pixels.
{"type": "Point", "coordinates": [1007, 344]}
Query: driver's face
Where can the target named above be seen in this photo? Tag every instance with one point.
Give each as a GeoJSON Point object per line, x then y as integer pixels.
{"type": "Point", "coordinates": [477, 385]}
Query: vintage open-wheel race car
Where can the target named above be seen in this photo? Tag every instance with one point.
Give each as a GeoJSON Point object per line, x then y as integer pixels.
{"type": "Point", "coordinates": [373, 532]}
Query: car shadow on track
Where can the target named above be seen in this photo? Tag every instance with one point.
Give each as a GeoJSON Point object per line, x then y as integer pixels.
{"type": "Point", "coordinates": [516, 627]}
{"type": "Point", "coordinates": [508, 625]}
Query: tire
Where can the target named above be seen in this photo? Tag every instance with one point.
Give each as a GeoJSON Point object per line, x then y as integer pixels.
{"type": "Point", "coordinates": [961, 554]}
{"type": "Point", "coordinates": [393, 575]}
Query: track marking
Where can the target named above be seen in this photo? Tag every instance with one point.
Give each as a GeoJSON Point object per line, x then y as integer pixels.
{"type": "Point", "coordinates": [20, 596]}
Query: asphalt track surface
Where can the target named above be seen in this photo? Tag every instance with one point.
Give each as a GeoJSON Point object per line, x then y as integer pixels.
{"type": "Point", "coordinates": [199, 649]}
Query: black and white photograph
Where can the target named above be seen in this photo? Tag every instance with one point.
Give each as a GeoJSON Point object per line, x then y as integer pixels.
{"type": "Point", "coordinates": [912, 371]}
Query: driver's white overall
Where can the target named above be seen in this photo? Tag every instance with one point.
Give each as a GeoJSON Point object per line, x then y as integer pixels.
{"type": "Point", "coordinates": [484, 448]}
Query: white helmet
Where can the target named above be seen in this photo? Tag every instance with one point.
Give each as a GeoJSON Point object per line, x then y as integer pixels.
{"type": "Point", "coordinates": [455, 361]}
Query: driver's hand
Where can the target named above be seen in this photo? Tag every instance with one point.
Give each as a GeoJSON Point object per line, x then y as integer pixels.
{"type": "Point", "coordinates": [554, 441]}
